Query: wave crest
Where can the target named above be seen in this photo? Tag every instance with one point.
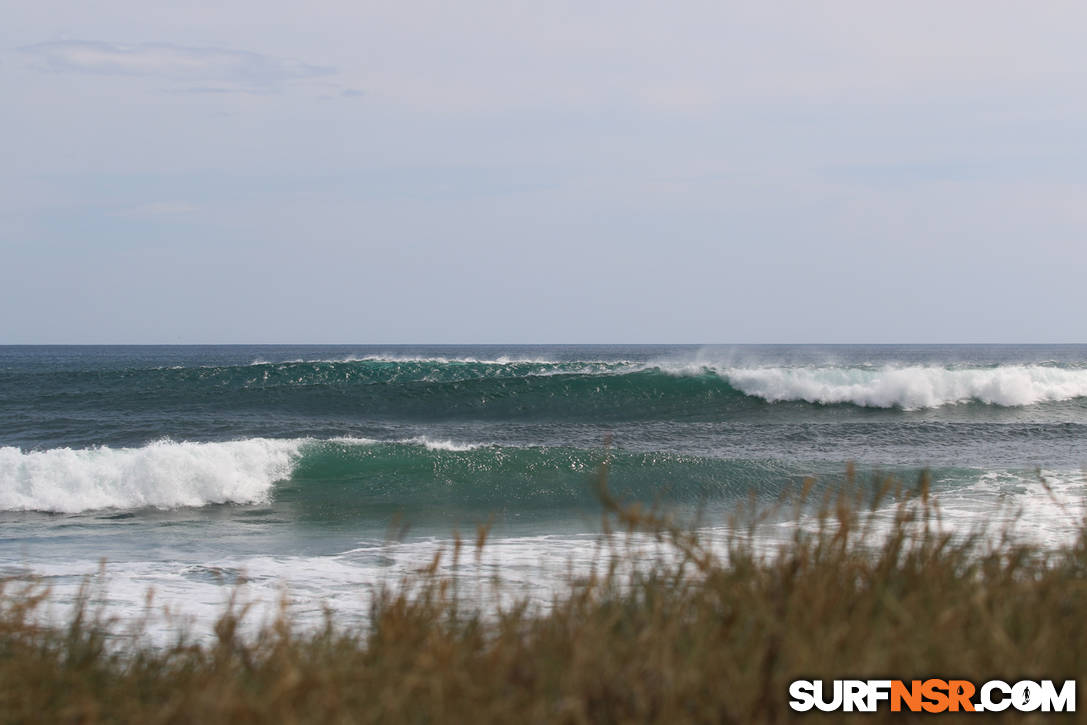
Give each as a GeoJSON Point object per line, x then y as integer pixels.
{"type": "Point", "coordinates": [911, 388]}
{"type": "Point", "coordinates": [164, 474]}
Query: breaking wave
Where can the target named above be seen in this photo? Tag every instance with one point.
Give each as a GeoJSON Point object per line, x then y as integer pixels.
{"type": "Point", "coordinates": [164, 474]}
{"type": "Point", "coordinates": [912, 388]}
{"type": "Point", "coordinates": [359, 474]}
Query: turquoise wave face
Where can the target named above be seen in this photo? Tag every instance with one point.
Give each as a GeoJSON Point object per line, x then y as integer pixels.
{"type": "Point", "coordinates": [425, 475]}
{"type": "Point", "coordinates": [352, 481]}
{"type": "Point", "coordinates": [360, 478]}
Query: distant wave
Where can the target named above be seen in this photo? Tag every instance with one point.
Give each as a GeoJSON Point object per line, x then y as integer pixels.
{"type": "Point", "coordinates": [914, 387]}
{"type": "Point", "coordinates": [435, 389]}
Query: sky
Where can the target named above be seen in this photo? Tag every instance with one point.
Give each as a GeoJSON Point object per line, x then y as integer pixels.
{"type": "Point", "coordinates": [547, 172]}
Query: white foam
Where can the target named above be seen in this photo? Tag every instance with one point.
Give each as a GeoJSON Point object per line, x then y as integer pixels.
{"type": "Point", "coordinates": [354, 441]}
{"type": "Point", "coordinates": [164, 474]}
{"type": "Point", "coordinates": [912, 387]}
{"type": "Point", "coordinates": [1045, 508]}
{"type": "Point", "coordinates": [510, 569]}
{"type": "Point", "coordinates": [432, 444]}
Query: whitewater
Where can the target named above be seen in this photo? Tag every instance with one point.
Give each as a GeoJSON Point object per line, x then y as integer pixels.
{"type": "Point", "coordinates": [913, 387]}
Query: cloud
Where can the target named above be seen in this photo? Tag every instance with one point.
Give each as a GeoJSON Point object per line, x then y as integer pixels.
{"type": "Point", "coordinates": [214, 69]}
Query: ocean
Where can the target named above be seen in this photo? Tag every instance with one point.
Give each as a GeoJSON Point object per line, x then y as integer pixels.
{"type": "Point", "coordinates": [317, 473]}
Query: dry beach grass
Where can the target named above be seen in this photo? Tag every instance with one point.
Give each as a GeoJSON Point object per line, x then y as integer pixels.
{"type": "Point", "coordinates": [702, 635]}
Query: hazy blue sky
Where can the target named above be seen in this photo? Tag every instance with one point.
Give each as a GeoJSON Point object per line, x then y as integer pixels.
{"type": "Point", "coordinates": [543, 172]}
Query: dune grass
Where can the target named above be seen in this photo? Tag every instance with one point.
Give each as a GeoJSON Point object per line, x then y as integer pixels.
{"type": "Point", "coordinates": [708, 634]}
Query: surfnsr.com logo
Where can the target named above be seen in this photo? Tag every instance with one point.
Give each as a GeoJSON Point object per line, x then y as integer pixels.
{"type": "Point", "coordinates": [932, 695]}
